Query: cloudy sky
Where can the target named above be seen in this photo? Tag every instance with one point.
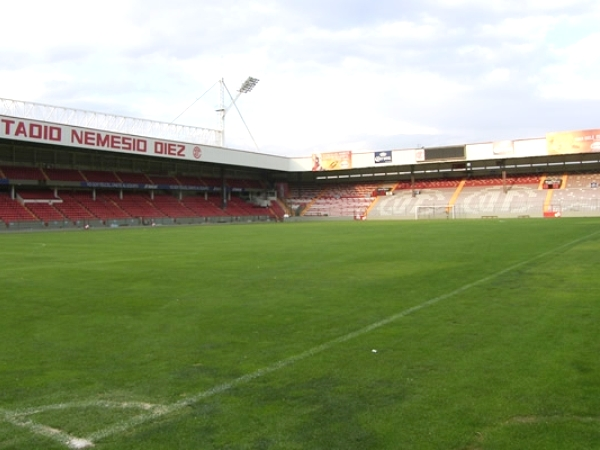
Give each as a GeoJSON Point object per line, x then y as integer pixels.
{"type": "Point", "coordinates": [334, 74]}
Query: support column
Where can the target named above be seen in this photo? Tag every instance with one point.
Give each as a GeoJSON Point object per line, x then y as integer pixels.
{"type": "Point", "coordinates": [223, 190]}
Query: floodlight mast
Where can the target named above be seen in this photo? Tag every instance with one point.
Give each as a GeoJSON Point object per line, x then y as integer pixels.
{"type": "Point", "coordinates": [245, 88]}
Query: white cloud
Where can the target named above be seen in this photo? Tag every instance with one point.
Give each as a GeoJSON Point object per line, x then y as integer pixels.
{"type": "Point", "coordinates": [42, 26]}
{"type": "Point", "coordinates": [575, 75]}
{"type": "Point", "coordinates": [501, 75]}
{"type": "Point", "coordinates": [333, 74]}
{"type": "Point", "coordinates": [528, 29]}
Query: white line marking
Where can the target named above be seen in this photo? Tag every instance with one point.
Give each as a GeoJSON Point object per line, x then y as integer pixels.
{"type": "Point", "coordinates": [20, 419]}
{"type": "Point", "coordinates": [87, 404]}
{"type": "Point", "coordinates": [177, 406]}
{"type": "Point", "coordinates": [46, 431]}
{"type": "Point", "coordinates": [156, 411]}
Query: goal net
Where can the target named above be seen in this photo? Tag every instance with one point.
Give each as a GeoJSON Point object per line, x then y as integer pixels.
{"type": "Point", "coordinates": [434, 212]}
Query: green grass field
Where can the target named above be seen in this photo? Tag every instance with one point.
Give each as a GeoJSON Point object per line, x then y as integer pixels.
{"type": "Point", "coordinates": [263, 336]}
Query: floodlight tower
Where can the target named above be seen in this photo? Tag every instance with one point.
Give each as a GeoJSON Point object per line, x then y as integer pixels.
{"type": "Point", "coordinates": [245, 88]}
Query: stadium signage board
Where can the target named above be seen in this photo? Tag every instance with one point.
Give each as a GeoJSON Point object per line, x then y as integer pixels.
{"type": "Point", "coordinates": [382, 157]}
{"type": "Point", "coordinates": [584, 141]}
{"type": "Point", "coordinates": [332, 161]}
{"type": "Point", "coordinates": [39, 131]}
{"type": "Point", "coordinates": [58, 134]}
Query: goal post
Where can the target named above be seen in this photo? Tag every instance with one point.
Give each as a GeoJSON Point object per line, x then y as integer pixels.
{"type": "Point", "coordinates": [434, 212]}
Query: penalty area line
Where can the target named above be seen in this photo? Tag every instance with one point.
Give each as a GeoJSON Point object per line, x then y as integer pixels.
{"type": "Point", "coordinates": [44, 430]}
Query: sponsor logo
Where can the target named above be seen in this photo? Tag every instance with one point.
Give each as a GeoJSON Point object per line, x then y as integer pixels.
{"type": "Point", "coordinates": [420, 154]}
{"type": "Point", "coordinates": [383, 157]}
{"type": "Point", "coordinates": [197, 152]}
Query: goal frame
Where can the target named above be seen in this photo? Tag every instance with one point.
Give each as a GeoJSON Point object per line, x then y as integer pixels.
{"type": "Point", "coordinates": [446, 212]}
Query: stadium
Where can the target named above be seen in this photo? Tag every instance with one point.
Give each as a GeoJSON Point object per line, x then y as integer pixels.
{"type": "Point", "coordinates": [69, 168]}
{"type": "Point", "coordinates": [336, 312]}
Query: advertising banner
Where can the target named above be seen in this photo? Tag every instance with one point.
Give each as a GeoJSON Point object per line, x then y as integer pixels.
{"type": "Point", "coordinates": [420, 154]}
{"type": "Point", "coordinates": [501, 148]}
{"type": "Point", "coordinates": [585, 141]}
{"type": "Point", "coordinates": [382, 157]}
{"type": "Point", "coordinates": [332, 161]}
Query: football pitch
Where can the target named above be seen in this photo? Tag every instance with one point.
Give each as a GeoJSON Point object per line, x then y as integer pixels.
{"type": "Point", "coordinates": [450, 334]}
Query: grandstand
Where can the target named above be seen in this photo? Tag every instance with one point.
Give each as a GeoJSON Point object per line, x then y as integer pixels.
{"type": "Point", "coordinates": [62, 174]}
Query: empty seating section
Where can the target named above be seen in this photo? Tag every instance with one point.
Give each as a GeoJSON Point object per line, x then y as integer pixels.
{"type": "Point", "coordinates": [13, 211]}
{"type": "Point", "coordinates": [401, 204]}
{"type": "Point", "coordinates": [498, 181]}
{"type": "Point", "coordinates": [349, 207]}
{"type": "Point", "coordinates": [349, 190]}
{"type": "Point", "coordinates": [211, 182]}
{"type": "Point", "coordinates": [46, 212]}
{"type": "Point", "coordinates": [64, 175]}
{"type": "Point", "coordinates": [578, 196]}
{"type": "Point", "coordinates": [332, 199]}
{"type": "Point", "coordinates": [100, 176]}
{"type": "Point", "coordinates": [190, 181]}
{"type": "Point", "coordinates": [432, 184]}
{"type": "Point", "coordinates": [134, 204]}
{"type": "Point", "coordinates": [37, 194]}
{"type": "Point", "coordinates": [483, 181]}
{"type": "Point", "coordinates": [101, 207]}
{"type": "Point", "coordinates": [253, 184]}
{"type": "Point", "coordinates": [23, 173]}
{"type": "Point", "coordinates": [73, 209]}
{"type": "Point", "coordinates": [277, 209]}
{"type": "Point", "coordinates": [301, 195]}
{"type": "Point", "coordinates": [162, 180]}
{"type": "Point", "coordinates": [244, 184]}
{"type": "Point", "coordinates": [517, 195]}
{"type": "Point", "coordinates": [403, 185]}
{"type": "Point", "coordinates": [81, 205]}
{"type": "Point", "coordinates": [203, 207]}
{"type": "Point", "coordinates": [576, 201]}
{"type": "Point", "coordinates": [170, 206]}
{"type": "Point", "coordinates": [40, 202]}
{"type": "Point", "coordinates": [235, 184]}
{"type": "Point", "coordinates": [441, 183]}
{"type": "Point", "coordinates": [238, 207]}
{"type": "Point", "coordinates": [583, 181]}
{"type": "Point", "coordinates": [494, 201]}
{"type": "Point", "coordinates": [134, 178]}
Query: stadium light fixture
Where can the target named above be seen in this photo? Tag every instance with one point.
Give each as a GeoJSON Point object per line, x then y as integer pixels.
{"type": "Point", "coordinates": [248, 85]}
{"type": "Point", "coordinates": [245, 88]}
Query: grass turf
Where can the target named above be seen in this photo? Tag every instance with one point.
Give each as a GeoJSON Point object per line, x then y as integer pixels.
{"type": "Point", "coordinates": [257, 336]}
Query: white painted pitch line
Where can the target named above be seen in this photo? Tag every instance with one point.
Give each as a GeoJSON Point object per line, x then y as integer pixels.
{"type": "Point", "coordinates": [55, 434]}
{"type": "Point", "coordinates": [108, 404]}
{"type": "Point", "coordinates": [19, 418]}
{"type": "Point", "coordinates": [177, 406]}
{"type": "Point", "coordinates": [157, 411]}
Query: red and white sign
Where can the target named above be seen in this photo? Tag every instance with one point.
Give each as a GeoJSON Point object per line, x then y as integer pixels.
{"type": "Point", "coordinates": [552, 214]}
{"type": "Point", "coordinates": [57, 134]}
